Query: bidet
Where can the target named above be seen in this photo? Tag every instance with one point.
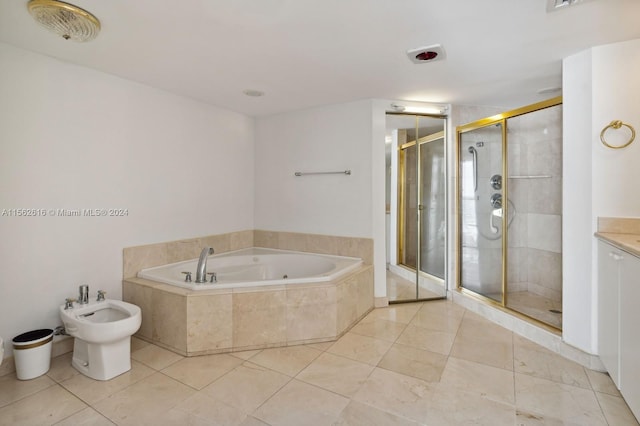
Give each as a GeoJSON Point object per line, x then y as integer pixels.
{"type": "Point", "coordinates": [102, 331]}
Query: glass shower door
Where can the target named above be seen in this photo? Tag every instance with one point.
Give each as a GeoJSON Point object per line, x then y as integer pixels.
{"type": "Point", "coordinates": [481, 210]}
{"type": "Point", "coordinates": [432, 225]}
{"type": "Point", "coordinates": [417, 270]}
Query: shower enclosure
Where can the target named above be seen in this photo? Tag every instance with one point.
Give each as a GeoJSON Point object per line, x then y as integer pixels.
{"type": "Point", "coordinates": [418, 207]}
{"type": "Point", "coordinates": [509, 210]}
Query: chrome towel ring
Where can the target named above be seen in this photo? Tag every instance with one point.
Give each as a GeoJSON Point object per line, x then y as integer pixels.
{"type": "Point", "coordinates": [616, 124]}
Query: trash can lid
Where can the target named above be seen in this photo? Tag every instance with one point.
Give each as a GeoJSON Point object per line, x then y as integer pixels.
{"type": "Point", "coordinates": [32, 335]}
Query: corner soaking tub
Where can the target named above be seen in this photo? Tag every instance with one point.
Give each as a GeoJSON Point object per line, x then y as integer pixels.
{"type": "Point", "coordinates": [255, 267]}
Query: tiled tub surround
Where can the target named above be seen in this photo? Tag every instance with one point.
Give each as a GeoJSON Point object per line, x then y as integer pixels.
{"type": "Point", "coordinates": [214, 321]}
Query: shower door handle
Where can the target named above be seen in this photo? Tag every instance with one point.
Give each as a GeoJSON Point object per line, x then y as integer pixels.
{"type": "Point", "coordinates": [473, 152]}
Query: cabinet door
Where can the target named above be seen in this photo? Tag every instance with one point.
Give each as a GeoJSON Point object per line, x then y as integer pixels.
{"type": "Point", "coordinates": [608, 308]}
{"type": "Point", "coordinates": [630, 332]}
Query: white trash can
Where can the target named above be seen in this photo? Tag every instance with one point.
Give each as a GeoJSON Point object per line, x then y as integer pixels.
{"type": "Point", "coordinates": [32, 353]}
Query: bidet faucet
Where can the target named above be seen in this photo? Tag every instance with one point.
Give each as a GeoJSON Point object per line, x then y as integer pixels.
{"type": "Point", "coordinates": [201, 272]}
{"type": "Point", "coordinates": [83, 298]}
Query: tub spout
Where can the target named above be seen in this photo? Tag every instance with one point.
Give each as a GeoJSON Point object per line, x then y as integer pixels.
{"type": "Point", "coordinates": [201, 272]}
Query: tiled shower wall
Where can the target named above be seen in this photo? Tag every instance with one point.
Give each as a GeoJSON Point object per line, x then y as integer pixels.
{"type": "Point", "coordinates": [535, 150]}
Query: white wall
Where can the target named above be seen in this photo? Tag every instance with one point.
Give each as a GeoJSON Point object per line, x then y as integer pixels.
{"type": "Point", "coordinates": [600, 85]}
{"type": "Point", "coordinates": [339, 137]}
{"type": "Point", "coordinates": [331, 138]}
{"type": "Point", "coordinates": [74, 138]}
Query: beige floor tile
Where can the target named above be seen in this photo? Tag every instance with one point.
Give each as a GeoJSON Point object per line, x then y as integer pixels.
{"type": "Point", "coordinates": [252, 421]}
{"type": "Point", "coordinates": [322, 346]}
{"type": "Point", "coordinates": [414, 362]}
{"type": "Point", "coordinates": [616, 410]}
{"type": "Point", "coordinates": [155, 357]}
{"type": "Point", "coordinates": [473, 325]}
{"type": "Point", "coordinates": [360, 348]}
{"type": "Point", "coordinates": [567, 403]}
{"type": "Point", "coordinates": [482, 341]}
{"type": "Point", "coordinates": [86, 417]}
{"type": "Point", "coordinates": [288, 360]}
{"type": "Point", "coordinates": [137, 344]}
{"type": "Point", "coordinates": [92, 391]}
{"type": "Point", "coordinates": [247, 386]}
{"type": "Point", "coordinates": [601, 382]}
{"type": "Point", "coordinates": [534, 360]}
{"type": "Point", "coordinates": [61, 368]}
{"type": "Point", "coordinates": [454, 407]}
{"type": "Point", "coordinates": [359, 414]}
{"type": "Point", "coordinates": [144, 402]}
{"type": "Point", "coordinates": [12, 389]}
{"type": "Point", "coordinates": [402, 313]}
{"type": "Point", "coordinates": [398, 394]}
{"type": "Point", "coordinates": [478, 379]}
{"type": "Point", "coordinates": [300, 403]}
{"type": "Point", "coordinates": [245, 355]}
{"type": "Point", "coordinates": [200, 371]}
{"type": "Point", "coordinates": [524, 418]}
{"type": "Point", "coordinates": [337, 374]}
{"type": "Point", "coordinates": [202, 409]}
{"type": "Point", "coordinates": [380, 329]}
{"type": "Point", "coordinates": [48, 406]}
{"type": "Point", "coordinates": [439, 316]}
{"type": "Point", "coordinates": [428, 340]}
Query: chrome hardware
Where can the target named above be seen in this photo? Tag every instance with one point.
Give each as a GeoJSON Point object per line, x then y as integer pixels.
{"type": "Point", "coordinates": [68, 303]}
{"type": "Point", "coordinates": [83, 298]}
{"type": "Point", "coordinates": [496, 182]}
{"type": "Point", "coordinates": [201, 271]}
{"type": "Point", "coordinates": [214, 277]}
{"type": "Point", "coordinates": [496, 201]}
{"type": "Point", "coordinates": [187, 277]}
{"type": "Point", "coordinates": [60, 330]}
{"type": "Point", "coordinates": [346, 172]}
{"type": "Point", "coordinates": [101, 294]}
{"type": "Point", "coordinates": [473, 152]}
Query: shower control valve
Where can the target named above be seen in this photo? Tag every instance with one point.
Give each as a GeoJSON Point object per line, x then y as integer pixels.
{"type": "Point", "coordinates": [496, 201]}
{"type": "Point", "coordinates": [496, 182]}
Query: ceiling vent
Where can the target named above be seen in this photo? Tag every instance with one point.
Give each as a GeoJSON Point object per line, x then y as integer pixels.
{"type": "Point", "coordinates": [422, 55]}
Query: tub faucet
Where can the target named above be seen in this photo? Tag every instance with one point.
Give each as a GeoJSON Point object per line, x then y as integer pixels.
{"type": "Point", "coordinates": [201, 272]}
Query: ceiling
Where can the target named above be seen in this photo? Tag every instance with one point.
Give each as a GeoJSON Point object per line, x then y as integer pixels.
{"type": "Point", "coordinates": [305, 53]}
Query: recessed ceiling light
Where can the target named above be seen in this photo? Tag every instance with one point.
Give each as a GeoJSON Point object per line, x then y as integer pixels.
{"type": "Point", "coordinates": [254, 93]}
{"type": "Point", "coordinates": [421, 55]}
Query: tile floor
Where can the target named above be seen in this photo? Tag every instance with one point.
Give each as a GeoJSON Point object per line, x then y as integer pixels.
{"type": "Point", "coordinates": [431, 363]}
{"type": "Point", "coordinates": [401, 289]}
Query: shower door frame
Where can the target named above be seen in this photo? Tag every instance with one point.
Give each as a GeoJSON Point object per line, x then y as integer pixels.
{"type": "Point", "coordinates": [484, 122]}
{"type": "Point", "coordinates": [402, 200]}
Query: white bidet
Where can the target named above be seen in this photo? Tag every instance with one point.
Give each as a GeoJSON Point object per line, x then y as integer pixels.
{"type": "Point", "coordinates": [102, 331]}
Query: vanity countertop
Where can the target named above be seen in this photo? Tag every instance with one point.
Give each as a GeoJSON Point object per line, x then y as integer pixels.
{"type": "Point", "coordinates": [621, 232]}
{"type": "Point", "coordinates": [627, 242]}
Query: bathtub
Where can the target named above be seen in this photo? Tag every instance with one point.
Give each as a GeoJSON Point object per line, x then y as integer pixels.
{"type": "Point", "coordinates": [256, 267]}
